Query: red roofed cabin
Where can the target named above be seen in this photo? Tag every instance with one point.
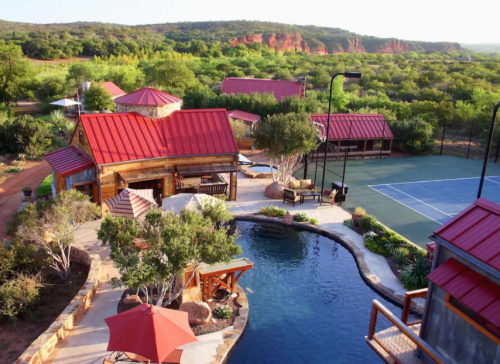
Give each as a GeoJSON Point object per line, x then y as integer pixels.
{"type": "Point", "coordinates": [363, 134]}
{"type": "Point", "coordinates": [110, 152]}
{"type": "Point", "coordinates": [461, 321]}
{"type": "Point", "coordinates": [249, 120]}
{"type": "Point", "coordinates": [280, 89]}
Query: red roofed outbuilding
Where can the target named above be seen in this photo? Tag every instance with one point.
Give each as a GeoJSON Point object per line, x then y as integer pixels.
{"type": "Point", "coordinates": [149, 102]}
{"type": "Point", "coordinates": [280, 89]}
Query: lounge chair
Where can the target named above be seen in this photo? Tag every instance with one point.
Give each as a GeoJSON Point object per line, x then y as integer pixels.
{"type": "Point", "coordinates": [328, 197]}
{"type": "Point", "coordinates": [291, 196]}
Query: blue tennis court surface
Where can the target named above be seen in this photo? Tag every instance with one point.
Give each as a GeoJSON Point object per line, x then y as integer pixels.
{"type": "Point", "coordinates": [440, 200]}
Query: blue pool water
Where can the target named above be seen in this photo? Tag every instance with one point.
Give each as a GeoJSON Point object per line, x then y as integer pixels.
{"type": "Point", "coordinates": [308, 303]}
{"type": "Point", "coordinates": [263, 169]}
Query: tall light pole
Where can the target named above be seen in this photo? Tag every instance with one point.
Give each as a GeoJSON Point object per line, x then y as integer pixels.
{"type": "Point", "coordinates": [488, 147]}
{"type": "Point", "coordinates": [348, 75]}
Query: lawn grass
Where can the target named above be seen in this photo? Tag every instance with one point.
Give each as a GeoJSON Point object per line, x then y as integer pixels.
{"type": "Point", "coordinates": [45, 187]}
{"type": "Point", "coordinates": [44, 117]}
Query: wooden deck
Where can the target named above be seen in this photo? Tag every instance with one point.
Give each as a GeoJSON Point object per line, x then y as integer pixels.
{"type": "Point", "coordinates": [393, 346]}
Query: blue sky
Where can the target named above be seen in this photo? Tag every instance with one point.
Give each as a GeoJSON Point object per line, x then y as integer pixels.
{"type": "Point", "coordinates": [424, 20]}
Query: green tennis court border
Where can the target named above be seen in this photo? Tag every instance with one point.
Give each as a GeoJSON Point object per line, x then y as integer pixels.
{"type": "Point", "coordinates": [364, 172]}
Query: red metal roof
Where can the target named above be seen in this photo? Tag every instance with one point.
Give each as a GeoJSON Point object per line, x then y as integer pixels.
{"type": "Point", "coordinates": [364, 126]}
{"type": "Point", "coordinates": [69, 160]}
{"type": "Point", "coordinates": [468, 286]}
{"type": "Point", "coordinates": [280, 89]}
{"type": "Point", "coordinates": [243, 115]}
{"type": "Point", "coordinates": [123, 137]}
{"type": "Point", "coordinates": [113, 89]}
{"type": "Point", "coordinates": [148, 96]}
{"type": "Point", "coordinates": [476, 230]}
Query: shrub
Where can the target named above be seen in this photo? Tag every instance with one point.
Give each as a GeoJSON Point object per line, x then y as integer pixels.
{"type": "Point", "coordinates": [414, 275]}
{"type": "Point", "coordinates": [273, 211]}
{"type": "Point", "coordinates": [368, 222]}
{"type": "Point", "coordinates": [7, 258]}
{"type": "Point", "coordinates": [349, 223]}
{"type": "Point", "coordinates": [314, 221]}
{"type": "Point", "coordinates": [377, 244]}
{"type": "Point", "coordinates": [359, 211]}
{"type": "Point", "coordinates": [18, 296]}
{"type": "Point", "coordinates": [301, 217]}
{"type": "Point", "coordinates": [14, 170]}
{"type": "Point", "coordinates": [400, 255]}
{"type": "Point", "coordinates": [223, 311]}
{"type": "Point", "coordinates": [26, 188]}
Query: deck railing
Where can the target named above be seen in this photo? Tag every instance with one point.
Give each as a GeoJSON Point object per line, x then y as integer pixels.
{"type": "Point", "coordinates": [397, 340]}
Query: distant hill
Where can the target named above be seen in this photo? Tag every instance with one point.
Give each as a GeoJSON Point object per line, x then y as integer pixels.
{"type": "Point", "coordinates": [483, 48]}
{"type": "Point", "coordinates": [277, 36]}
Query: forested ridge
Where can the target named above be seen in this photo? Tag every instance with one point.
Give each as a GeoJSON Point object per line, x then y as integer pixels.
{"type": "Point", "coordinates": [54, 41]}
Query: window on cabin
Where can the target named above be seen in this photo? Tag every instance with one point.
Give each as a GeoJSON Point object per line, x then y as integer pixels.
{"type": "Point", "coordinates": [80, 137]}
{"type": "Point", "coordinates": [473, 317]}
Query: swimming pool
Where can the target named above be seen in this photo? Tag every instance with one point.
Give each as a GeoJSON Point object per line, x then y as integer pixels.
{"type": "Point", "coordinates": [308, 303]}
{"type": "Point", "coordinates": [262, 169]}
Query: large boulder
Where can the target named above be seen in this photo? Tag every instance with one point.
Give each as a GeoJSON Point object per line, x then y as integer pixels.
{"type": "Point", "coordinates": [288, 220]}
{"type": "Point", "coordinates": [275, 190]}
{"type": "Point", "coordinates": [198, 312]}
{"type": "Point", "coordinates": [131, 300]}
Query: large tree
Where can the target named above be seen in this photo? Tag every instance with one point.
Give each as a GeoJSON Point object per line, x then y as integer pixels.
{"type": "Point", "coordinates": [97, 98]}
{"type": "Point", "coordinates": [285, 138]}
{"type": "Point", "coordinates": [151, 253]}
{"type": "Point", "coordinates": [15, 74]}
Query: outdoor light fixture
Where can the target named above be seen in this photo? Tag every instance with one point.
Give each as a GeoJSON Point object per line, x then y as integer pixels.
{"type": "Point", "coordinates": [488, 147]}
{"type": "Point", "coordinates": [348, 75]}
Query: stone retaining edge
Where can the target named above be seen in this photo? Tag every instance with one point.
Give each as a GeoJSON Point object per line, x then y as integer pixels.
{"type": "Point", "coordinates": [44, 345]}
{"type": "Point", "coordinates": [231, 337]}
{"type": "Point", "coordinates": [370, 279]}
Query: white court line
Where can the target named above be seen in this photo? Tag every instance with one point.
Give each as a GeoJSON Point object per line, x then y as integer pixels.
{"type": "Point", "coordinates": [416, 199]}
{"type": "Point", "coordinates": [372, 187]}
{"type": "Point", "coordinates": [486, 178]}
{"type": "Point", "coordinates": [433, 180]}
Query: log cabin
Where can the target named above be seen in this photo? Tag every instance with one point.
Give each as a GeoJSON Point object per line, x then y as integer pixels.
{"type": "Point", "coordinates": [168, 150]}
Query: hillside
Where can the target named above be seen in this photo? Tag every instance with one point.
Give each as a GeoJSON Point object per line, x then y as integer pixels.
{"type": "Point", "coordinates": [48, 41]}
{"type": "Point", "coordinates": [484, 48]}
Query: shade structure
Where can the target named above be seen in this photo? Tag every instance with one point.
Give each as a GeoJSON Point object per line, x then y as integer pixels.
{"type": "Point", "coordinates": [243, 160]}
{"type": "Point", "coordinates": [150, 331]}
{"type": "Point", "coordinates": [190, 201]}
{"type": "Point", "coordinates": [130, 202]}
{"type": "Point", "coordinates": [65, 102]}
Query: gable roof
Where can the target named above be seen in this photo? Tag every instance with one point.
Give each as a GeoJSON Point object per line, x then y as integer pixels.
{"type": "Point", "coordinates": [122, 137]}
{"type": "Point", "coordinates": [69, 160]}
{"type": "Point", "coordinates": [243, 115]}
{"type": "Point", "coordinates": [113, 89]}
{"type": "Point", "coordinates": [280, 89]}
{"type": "Point", "coordinates": [148, 96]}
{"type": "Point", "coordinates": [476, 230]}
{"type": "Point", "coordinates": [364, 126]}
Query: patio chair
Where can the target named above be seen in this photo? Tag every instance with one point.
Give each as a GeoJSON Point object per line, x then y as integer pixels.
{"type": "Point", "coordinates": [329, 197]}
{"type": "Point", "coordinates": [291, 196]}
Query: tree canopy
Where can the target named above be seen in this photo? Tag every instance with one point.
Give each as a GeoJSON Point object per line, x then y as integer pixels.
{"type": "Point", "coordinates": [97, 98]}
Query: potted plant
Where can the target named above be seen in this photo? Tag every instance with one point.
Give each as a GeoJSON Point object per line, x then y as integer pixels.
{"type": "Point", "coordinates": [359, 212]}
{"type": "Point", "coordinates": [26, 190]}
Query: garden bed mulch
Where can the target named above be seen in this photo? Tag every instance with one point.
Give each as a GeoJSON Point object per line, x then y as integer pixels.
{"type": "Point", "coordinates": [55, 295]}
{"type": "Point", "coordinates": [213, 326]}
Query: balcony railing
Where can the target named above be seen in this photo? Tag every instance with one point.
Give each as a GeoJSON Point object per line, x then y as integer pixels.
{"type": "Point", "coordinates": [397, 340]}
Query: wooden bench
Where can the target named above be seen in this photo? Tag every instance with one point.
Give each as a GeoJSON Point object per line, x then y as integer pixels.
{"type": "Point", "coordinates": [213, 189]}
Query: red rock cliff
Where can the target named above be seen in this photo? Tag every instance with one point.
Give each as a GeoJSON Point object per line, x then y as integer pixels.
{"type": "Point", "coordinates": [280, 42]}
{"type": "Point", "coordinates": [393, 47]}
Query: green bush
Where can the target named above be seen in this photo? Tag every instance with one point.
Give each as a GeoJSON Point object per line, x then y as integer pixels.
{"type": "Point", "coordinates": [400, 255]}
{"type": "Point", "coordinates": [359, 211]}
{"type": "Point", "coordinates": [223, 311]}
{"type": "Point", "coordinates": [19, 295]}
{"type": "Point", "coordinates": [414, 275]}
{"type": "Point", "coordinates": [377, 244]}
{"type": "Point", "coordinates": [349, 223]}
{"type": "Point", "coordinates": [7, 261]}
{"type": "Point", "coordinates": [301, 217]}
{"type": "Point", "coordinates": [367, 223]}
{"type": "Point", "coordinates": [273, 211]}
{"type": "Point", "coordinates": [314, 221]}
{"type": "Point", "coordinates": [13, 170]}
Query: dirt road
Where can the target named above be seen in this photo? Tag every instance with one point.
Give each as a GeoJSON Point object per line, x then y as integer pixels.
{"type": "Point", "coordinates": [10, 191]}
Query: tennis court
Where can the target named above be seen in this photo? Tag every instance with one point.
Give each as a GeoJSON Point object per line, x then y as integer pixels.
{"type": "Point", "coordinates": [411, 195]}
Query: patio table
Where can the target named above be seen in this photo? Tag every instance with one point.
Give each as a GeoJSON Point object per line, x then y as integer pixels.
{"type": "Point", "coordinates": [312, 194]}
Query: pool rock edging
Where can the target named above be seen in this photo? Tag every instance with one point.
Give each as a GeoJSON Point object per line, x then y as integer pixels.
{"type": "Point", "coordinates": [231, 337]}
{"type": "Point", "coordinates": [371, 279]}
{"type": "Point", "coordinates": [44, 345]}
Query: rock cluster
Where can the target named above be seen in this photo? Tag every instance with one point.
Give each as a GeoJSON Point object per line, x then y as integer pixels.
{"type": "Point", "coordinates": [199, 313]}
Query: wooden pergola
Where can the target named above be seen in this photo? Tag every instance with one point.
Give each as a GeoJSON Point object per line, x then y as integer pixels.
{"type": "Point", "coordinates": [223, 275]}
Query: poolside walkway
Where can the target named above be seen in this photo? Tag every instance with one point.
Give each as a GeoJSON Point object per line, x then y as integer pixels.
{"type": "Point", "coordinates": [251, 199]}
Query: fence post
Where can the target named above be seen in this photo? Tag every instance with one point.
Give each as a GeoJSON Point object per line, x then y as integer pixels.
{"type": "Point", "coordinates": [442, 138]}
{"type": "Point", "coordinates": [413, 138]}
{"type": "Point", "coordinates": [382, 142]}
{"type": "Point", "coordinates": [470, 139]}
{"type": "Point", "coordinates": [305, 165]}
{"type": "Point", "coordinates": [498, 149]}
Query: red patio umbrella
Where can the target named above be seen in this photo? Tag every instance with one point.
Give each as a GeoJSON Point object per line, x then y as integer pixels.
{"type": "Point", "coordinates": [150, 331]}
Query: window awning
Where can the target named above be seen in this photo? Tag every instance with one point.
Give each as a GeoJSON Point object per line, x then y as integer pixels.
{"type": "Point", "coordinates": [69, 160]}
{"type": "Point", "coordinates": [471, 288]}
{"type": "Point", "coordinates": [205, 168]}
{"type": "Point", "coordinates": [144, 174]}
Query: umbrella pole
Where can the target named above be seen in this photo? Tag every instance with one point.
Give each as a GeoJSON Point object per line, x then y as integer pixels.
{"type": "Point", "coordinates": [78, 100]}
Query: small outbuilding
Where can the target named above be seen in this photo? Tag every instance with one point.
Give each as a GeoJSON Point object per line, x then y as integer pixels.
{"type": "Point", "coordinates": [280, 89]}
{"type": "Point", "coordinates": [149, 102]}
{"type": "Point", "coordinates": [250, 120]}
